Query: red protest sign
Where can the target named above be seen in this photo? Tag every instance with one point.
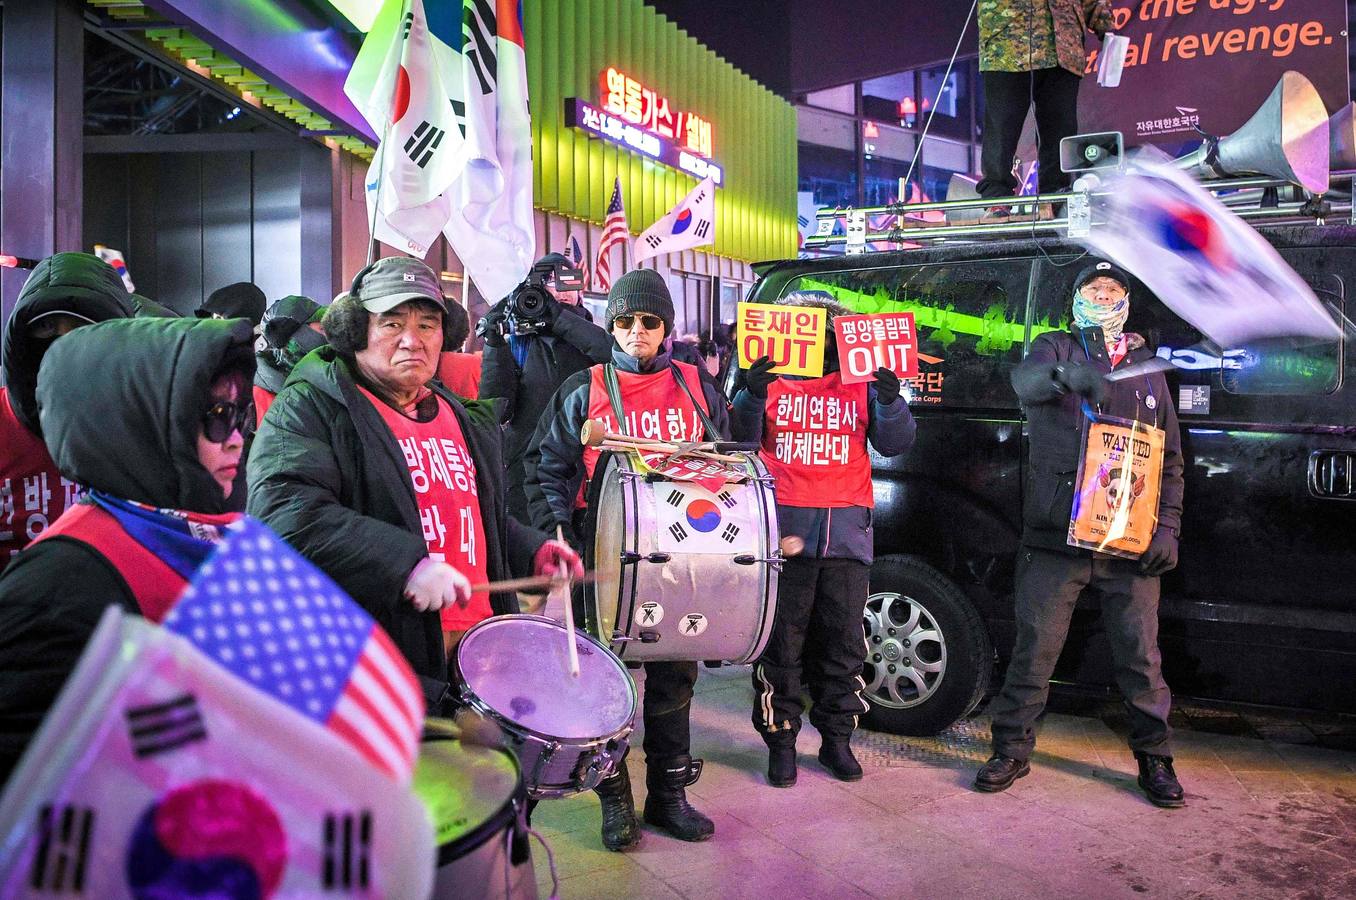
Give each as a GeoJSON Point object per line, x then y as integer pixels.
{"type": "Point", "coordinates": [866, 343]}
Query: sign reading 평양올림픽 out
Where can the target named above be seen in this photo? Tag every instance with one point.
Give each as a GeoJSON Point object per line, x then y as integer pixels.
{"type": "Point", "coordinates": [869, 343]}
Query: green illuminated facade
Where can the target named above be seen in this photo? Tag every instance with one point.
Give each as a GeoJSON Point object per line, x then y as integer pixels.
{"type": "Point", "coordinates": [754, 131]}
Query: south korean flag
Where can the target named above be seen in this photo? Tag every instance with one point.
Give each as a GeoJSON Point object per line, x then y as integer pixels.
{"type": "Point", "coordinates": [694, 520]}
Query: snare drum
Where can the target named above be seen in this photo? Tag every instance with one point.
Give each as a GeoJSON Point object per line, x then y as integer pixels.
{"type": "Point", "coordinates": [569, 733]}
{"type": "Point", "coordinates": [683, 572]}
{"type": "Point", "coordinates": [475, 800]}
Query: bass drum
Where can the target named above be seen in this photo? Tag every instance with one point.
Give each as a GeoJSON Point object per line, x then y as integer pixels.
{"type": "Point", "coordinates": [477, 803]}
{"type": "Point", "coordinates": [683, 573]}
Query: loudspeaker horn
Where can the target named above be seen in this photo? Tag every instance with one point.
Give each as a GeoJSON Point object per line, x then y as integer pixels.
{"type": "Point", "coordinates": [1286, 138]}
{"type": "Point", "coordinates": [1342, 139]}
{"type": "Point", "coordinates": [1085, 152]}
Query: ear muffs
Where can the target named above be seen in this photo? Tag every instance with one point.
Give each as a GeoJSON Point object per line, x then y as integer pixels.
{"type": "Point", "coordinates": [345, 325]}
{"type": "Point", "coordinates": [358, 279]}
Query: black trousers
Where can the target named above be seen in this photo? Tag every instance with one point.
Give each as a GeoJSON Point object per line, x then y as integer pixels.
{"type": "Point", "coordinates": [1007, 97]}
{"type": "Point", "coordinates": [666, 707]}
{"type": "Point", "coordinates": [1048, 585]}
{"type": "Point", "coordinates": [817, 643]}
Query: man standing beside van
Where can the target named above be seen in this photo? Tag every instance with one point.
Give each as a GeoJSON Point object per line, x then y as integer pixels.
{"type": "Point", "coordinates": [1059, 384]}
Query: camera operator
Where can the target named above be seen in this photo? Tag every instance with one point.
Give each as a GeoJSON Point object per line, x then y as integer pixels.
{"type": "Point", "coordinates": [536, 338]}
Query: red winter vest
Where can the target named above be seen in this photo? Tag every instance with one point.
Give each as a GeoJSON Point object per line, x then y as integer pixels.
{"type": "Point", "coordinates": [32, 492]}
{"type": "Point", "coordinates": [654, 405]}
{"type": "Point", "coordinates": [444, 479]}
{"type": "Point", "coordinates": [814, 442]}
{"type": "Point", "coordinates": [460, 372]}
{"type": "Point", "coordinates": [154, 585]}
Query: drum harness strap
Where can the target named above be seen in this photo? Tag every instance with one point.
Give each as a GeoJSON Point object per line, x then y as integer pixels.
{"type": "Point", "coordinates": [614, 397]}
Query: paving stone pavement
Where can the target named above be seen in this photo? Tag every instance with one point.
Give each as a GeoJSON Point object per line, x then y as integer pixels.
{"type": "Point", "coordinates": [1264, 819]}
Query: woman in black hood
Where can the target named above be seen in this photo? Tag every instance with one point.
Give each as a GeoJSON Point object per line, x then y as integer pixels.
{"type": "Point", "coordinates": [155, 434]}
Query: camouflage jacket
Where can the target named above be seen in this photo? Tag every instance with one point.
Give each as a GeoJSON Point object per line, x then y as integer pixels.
{"type": "Point", "coordinates": [1026, 35]}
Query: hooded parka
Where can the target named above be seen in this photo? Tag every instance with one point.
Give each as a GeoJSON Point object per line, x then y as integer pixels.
{"type": "Point", "coordinates": [131, 433]}
{"type": "Point", "coordinates": [32, 492]}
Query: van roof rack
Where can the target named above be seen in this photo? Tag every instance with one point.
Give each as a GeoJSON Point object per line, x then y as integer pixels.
{"type": "Point", "coordinates": [1262, 200]}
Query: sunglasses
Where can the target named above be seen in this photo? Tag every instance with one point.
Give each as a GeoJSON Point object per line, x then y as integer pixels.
{"type": "Point", "coordinates": [225, 419]}
{"type": "Point", "coordinates": [649, 323]}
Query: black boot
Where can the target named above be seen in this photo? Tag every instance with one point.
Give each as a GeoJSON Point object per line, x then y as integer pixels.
{"type": "Point", "coordinates": [836, 755]}
{"type": "Point", "coordinates": [666, 806]}
{"type": "Point", "coordinates": [1159, 781]}
{"type": "Point", "coordinates": [781, 759]}
{"type": "Point", "coordinates": [620, 828]}
{"type": "Point", "coordinates": [999, 773]}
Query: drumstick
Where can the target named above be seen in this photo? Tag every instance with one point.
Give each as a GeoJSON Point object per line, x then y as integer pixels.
{"type": "Point", "coordinates": [530, 583]}
{"type": "Point", "coordinates": [673, 451]}
{"type": "Point", "coordinates": [564, 570]}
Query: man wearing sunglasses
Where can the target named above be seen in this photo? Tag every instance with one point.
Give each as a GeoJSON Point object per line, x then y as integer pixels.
{"type": "Point", "coordinates": [658, 398]}
{"type": "Point", "coordinates": [1060, 384]}
{"type": "Point", "coordinates": [388, 481]}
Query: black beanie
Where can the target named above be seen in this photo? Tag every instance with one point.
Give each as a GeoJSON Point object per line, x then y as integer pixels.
{"type": "Point", "coordinates": [640, 291]}
{"type": "Point", "coordinates": [242, 300]}
{"type": "Point", "coordinates": [1102, 269]}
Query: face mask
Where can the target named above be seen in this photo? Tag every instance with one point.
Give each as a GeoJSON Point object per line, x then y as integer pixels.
{"type": "Point", "coordinates": [1110, 318]}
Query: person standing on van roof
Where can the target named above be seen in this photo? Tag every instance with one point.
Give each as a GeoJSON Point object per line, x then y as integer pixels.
{"type": "Point", "coordinates": [1031, 53]}
{"type": "Point", "coordinates": [1064, 372]}
{"type": "Point", "coordinates": [814, 433]}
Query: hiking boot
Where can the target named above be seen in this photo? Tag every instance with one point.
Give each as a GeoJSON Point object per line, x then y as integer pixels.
{"type": "Point", "coordinates": [1159, 781]}
{"type": "Point", "coordinates": [999, 773]}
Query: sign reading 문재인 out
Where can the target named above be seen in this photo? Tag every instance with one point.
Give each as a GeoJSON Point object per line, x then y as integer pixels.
{"type": "Point", "coordinates": [868, 343]}
{"type": "Point", "coordinates": [791, 336]}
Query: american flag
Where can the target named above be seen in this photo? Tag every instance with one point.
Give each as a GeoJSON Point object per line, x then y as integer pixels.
{"type": "Point", "coordinates": [261, 611]}
{"type": "Point", "coordinates": [576, 256]}
{"type": "Point", "coordinates": [615, 231]}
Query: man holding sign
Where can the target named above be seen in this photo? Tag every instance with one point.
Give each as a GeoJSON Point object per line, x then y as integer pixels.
{"type": "Point", "coordinates": [814, 430]}
{"type": "Point", "coordinates": [1059, 384]}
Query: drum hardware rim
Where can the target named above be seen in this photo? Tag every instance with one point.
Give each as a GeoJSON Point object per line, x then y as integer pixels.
{"type": "Point", "coordinates": [473, 700]}
{"type": "Point", "coordinates": [748, 559]}
{"type": "Point", "coordinates": [484, 832]}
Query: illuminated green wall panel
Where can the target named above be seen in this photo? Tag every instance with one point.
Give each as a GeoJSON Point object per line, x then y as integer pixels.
{"type": "Point", "coordinates": [569, 44]}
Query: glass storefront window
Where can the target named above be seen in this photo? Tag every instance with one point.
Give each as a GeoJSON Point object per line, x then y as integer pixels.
{"type": "Point", "coordinates": [952, 99]}
{"type": "Point", "coordinates": [839, 99]}
{"type": "Point", "coordinates": [828, 173]}
{"type": "Point", "coordinates": [891, 99]}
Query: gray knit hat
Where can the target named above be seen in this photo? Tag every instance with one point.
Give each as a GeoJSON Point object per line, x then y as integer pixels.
{"type": "Point", "coordinates": [641, 291]}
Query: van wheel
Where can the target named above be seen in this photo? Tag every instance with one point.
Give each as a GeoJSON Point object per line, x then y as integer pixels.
{"type": "Point", "coordinates": [928, 657]}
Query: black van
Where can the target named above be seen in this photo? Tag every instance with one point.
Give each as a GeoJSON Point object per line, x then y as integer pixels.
{"type": "Point", "coordinates": [1262, 607]}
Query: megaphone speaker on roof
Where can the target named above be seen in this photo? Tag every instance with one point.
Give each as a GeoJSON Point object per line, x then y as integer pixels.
{"type": "Point", "coordinates": [1286, 138]}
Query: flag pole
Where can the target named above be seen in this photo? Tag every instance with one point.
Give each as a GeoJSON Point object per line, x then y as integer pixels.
{"type": "Point", "coordinates": [376, 201]}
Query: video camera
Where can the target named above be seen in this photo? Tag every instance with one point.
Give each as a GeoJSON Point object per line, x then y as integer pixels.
{"type": "Point", "coordinates": [526, 307]}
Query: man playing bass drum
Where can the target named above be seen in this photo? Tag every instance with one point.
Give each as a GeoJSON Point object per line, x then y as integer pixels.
{"type": "Point", "coordinates": [814, 433]}
{"type": "Point", "coordinates": [662, 399]}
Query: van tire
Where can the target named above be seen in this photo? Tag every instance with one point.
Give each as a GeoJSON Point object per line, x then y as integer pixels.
{"type": "Point", "coordinates": [952, 662]}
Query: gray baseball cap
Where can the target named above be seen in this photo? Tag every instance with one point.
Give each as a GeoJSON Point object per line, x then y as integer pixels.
{"type": "Point", "coordinates": [394, 280]}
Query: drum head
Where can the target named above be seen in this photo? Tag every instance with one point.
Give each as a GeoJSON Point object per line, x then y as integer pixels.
{"type": "Point", "coordinates": [519, 667]}
{"type": "Point", "coordinates": [466, 789]}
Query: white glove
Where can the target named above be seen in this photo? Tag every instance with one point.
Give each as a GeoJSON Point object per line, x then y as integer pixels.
{"type": "Point", "coordinates": [433, 585]}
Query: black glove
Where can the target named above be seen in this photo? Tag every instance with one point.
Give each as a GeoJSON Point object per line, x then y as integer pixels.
{"type": "Point", "coordinates": [759, 376]}
{"type": "Point", "coordinates": [887, 386]}
{"type": "Point", "coordinates": [491, 327]}
{"type": "Point", "coordinates": [550, 312]}
{"type": "Point", "coordinates": [1161, 557]}
{"type": "Point", "coordinates": [1083, 379]}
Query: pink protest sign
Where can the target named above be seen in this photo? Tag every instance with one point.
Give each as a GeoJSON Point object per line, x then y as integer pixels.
{"type": "Point", "coordinates": [866, 343]}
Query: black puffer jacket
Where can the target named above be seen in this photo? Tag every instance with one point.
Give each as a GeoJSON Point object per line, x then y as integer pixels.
{"type": "Point", "coordinates": [1057, 427]}
{"type": "Point", "coordinates": [328, 476]}
{"type": "Point", "coordinates": [79, 283]}
{"type": "Point", "coordinates": [131, 432]}
{"type": "Point", "coordinates": [573, 345]}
